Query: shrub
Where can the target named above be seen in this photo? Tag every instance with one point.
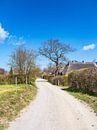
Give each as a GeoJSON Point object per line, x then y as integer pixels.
{"type": "Point", "coordinates": [58, 80]}
{"type": "Point", "coordinates": [84, 79]}
{"type": "Point", "coordinates": [45, 76]}
{"type": "Point", "coordinates": [21, 79]}
{"type": "Point", "coordinates": [3, 79]}
{"type": "Point", "coordinates": [50, 77]}
{"type": "Point", "coordinates": [72, 79]}
{"type": "Point", "coordinates": [66, 80]}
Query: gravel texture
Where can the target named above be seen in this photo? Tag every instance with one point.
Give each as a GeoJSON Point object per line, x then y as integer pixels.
{"type": "Point", "coordinates": [54, 109]}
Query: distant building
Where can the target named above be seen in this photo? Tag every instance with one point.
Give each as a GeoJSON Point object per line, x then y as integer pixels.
{"type": "Point", "coordinates": [71, 66]}
{"type": "Point", "coordinates": [2, 71]}
{"type": "Point", "coordinates": [75, 65]}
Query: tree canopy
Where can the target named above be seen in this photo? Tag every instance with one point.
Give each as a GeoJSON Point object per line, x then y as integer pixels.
{"type": "Point", "coordinates": [55, 51]}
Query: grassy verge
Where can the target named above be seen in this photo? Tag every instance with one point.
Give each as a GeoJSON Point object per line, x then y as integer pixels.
{"type": "Point", "coordinates": [89, 98]}
{"type": "Point", "coordinates": [12, 99]}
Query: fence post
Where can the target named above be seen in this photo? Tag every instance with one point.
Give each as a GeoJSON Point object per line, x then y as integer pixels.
{"type": "Point", "coordinates": [16, 80]}
{"type": "Point", "coordinates": [26, 79]}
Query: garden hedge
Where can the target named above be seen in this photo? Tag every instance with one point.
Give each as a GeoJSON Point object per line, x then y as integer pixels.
{"type": "Point", "coordinates": [84, 79]}
{"type": "Point", "coordinates": [58, 80]}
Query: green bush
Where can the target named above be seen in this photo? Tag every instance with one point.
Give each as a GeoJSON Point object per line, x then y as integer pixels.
{"type": "Point", "coordinates": [11, 79]}
{"type": "Point", "coordinates": [50, 77]}
{"type": "Point", "coordinates": [84, 79]}
{"type": "Point", "coordinates": [57, 80]}
{"type": "Point", "coordinates": [72, 79]}
{"type": "Point", "coordinates": [45, 76]}
{"type": "Point", "coordinates": [66, 80]}
{"type": "Point", "coordinates": [3, 79]}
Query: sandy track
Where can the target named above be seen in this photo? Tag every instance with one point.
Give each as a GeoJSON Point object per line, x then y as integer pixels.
{"type": "Point", "coordinates": [54, 109]}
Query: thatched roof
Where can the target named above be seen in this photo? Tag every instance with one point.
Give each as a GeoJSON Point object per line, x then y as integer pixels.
{"type": "Point", "coordinates": [71, 66]}
{"type": "Point", "coordinates": [79, 65]}
{"type": "Point", "coordinates": [2, 71]}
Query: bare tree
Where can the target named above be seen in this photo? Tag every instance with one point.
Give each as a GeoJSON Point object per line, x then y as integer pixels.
{"type": "Point", "coordinates": [23, 61]}
{"type": "Point", "coordinates": [55, 51]}
{"type": "Point", "coordinates": [18, 59]}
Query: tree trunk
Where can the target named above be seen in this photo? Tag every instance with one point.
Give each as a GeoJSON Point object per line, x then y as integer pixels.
{"type": "Point", "coordinates": [57, 69]}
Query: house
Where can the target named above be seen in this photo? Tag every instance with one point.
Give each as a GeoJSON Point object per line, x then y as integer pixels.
{"type": "Point", "coordinates": [75, 65]}
{"type": "Point", "coordinates": [2, 71]}
{"type": "Point", "coordinates": [69, 67]}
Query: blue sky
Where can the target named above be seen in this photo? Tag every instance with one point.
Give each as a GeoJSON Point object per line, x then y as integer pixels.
{"type": "Point", "coordinates": [33, 21]}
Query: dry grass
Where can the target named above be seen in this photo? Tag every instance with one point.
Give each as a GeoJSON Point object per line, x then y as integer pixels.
{"type": "Point", "coordinates": [12, 99]}
{"type": "Point", "coordinates": [89, 98]}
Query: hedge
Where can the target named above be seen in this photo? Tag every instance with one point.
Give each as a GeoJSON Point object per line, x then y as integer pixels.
{"type": "Point", "coordinates": [84, 79]}
{"type": "Point", "coordinates": [3, 79]}
{"type": "Point", "coordinates": [45, 76]}
{"type": "Point", "coordinates": [10, 79]}
{"type": "Point", "coordinates": [58, 80]}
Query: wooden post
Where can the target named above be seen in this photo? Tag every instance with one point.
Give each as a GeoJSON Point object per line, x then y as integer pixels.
{"type": "Point", "coordinates": [26, 79]}
{"type": "Point", "coordinates": [16, 80]}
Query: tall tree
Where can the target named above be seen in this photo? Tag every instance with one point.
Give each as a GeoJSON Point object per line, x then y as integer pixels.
{"type": "Point", "coordinates": [55, 51]}
{"type": "Point", "coordinates": [23, 61]}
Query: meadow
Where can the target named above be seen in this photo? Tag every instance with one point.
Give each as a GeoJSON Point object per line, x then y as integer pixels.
{"type": "Point", "coordinates": [14, 98]}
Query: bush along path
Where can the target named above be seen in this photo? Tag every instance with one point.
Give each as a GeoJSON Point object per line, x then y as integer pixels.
{"type": "Point", "coordinates": [54, 109]}
{"type": "Point", "coordinates": [12, 99]}
{"type": "Point", "coordinates": [83, 85]}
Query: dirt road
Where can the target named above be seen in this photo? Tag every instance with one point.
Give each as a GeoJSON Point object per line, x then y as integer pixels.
{"type": "Point", "coordinates": [54, 109]}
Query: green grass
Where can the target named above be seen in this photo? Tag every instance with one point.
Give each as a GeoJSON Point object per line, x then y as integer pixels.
{"type": "Point", "coordinates": [1, 126]}
{"type": "Point", "coordinates": [12, 99]}
{"type": "Point", "coordinates": [89, 98]}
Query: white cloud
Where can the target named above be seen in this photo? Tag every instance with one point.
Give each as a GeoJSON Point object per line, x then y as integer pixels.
{"type": "Point", "coordinates": [11, 39]}
{"type": "Point", "coordinates": [89, 47]}
{"type": "Point", "coordinates": [3, 34]}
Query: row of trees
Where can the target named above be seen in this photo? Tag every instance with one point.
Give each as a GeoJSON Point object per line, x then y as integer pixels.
{"type": "Point", "coordinates": [23, 61]}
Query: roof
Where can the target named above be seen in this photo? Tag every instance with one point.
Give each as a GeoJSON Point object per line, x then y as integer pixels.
{"type": "Point", "coordinates": [2, 71]}
{"type": "Point", "coordinates": [79, 65]}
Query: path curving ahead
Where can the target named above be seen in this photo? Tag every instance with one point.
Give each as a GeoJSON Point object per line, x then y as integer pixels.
{"type": "Point", "coordinates": [54, 109]}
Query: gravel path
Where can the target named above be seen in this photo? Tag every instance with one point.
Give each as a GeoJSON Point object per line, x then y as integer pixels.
{"type": "Point", "coordinates": [54, 109]}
